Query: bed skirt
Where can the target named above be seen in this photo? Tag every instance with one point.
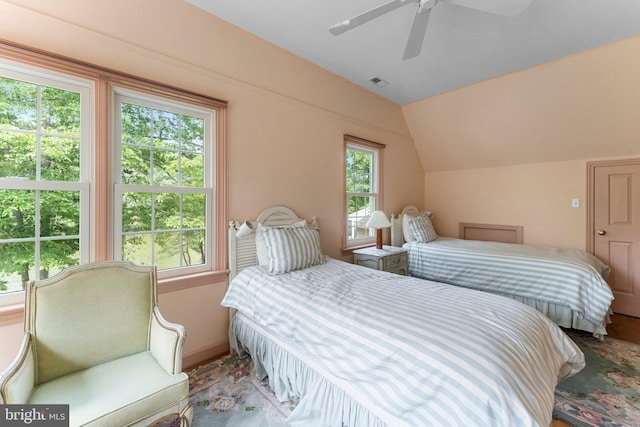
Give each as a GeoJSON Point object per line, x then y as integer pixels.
{"type": "Point", "coordinates": [321, 402]}
{"type": "Point", "coordinates": [565, 317]}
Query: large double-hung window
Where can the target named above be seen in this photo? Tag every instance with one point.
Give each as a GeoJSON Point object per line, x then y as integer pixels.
{"type": "Point", "coordinates": [164, 182]}
{"type": "Point", "coordinates": [45, 131]}
{"type": "Point", "coordinates": [97, 165]}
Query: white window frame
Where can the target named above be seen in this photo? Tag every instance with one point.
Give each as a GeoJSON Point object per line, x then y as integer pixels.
{"type": "Point", "coordinates": [86, 88]}
{"type": "Point", "coordinates": [375, 150]}
{"type": "Point", "coordinates": [123, 95]}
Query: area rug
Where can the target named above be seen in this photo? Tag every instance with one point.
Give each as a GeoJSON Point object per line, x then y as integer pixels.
{"type": "Point", "coordinates": [606, 393]}
{"type": "Point", "coordinates": [226, 393]}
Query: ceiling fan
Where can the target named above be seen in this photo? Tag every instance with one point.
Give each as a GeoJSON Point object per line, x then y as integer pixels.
{"type": "Point", "coordinates": [508, 8]}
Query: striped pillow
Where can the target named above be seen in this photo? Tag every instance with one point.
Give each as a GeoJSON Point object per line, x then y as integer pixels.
{"type": "Point", "coordinates": [292, 248]}
{"type": "Point", "coordinates": [261, 247]}
{"type": "Point", "coordinates": [422, 229]}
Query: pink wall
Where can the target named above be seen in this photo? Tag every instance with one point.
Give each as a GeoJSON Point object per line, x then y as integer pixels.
{"type": "Point", "coordinates": [578, 107]}
{"type": "Point", "coordinates": [286, 121]}
{"type": "Point", "coordinates": [513, 150]}
{"type": "Point", "coordinates": [536, 196]}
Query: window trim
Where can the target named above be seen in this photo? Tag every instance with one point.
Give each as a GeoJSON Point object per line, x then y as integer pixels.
{"type": "Point", "coordinates": [367, 145]}
{"type": "Point", "coordinates": [102, 79]}
{"type": "Point", "coordinates": [208, 114]}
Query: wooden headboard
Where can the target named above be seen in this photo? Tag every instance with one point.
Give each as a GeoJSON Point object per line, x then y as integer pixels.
{"type": "Point", "coordinates": [490, 232]}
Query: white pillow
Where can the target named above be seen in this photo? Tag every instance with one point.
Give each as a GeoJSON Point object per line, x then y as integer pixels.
{"type": "Point", "coordinates": [406, 229]}
{"type": "Point", "coordinates": [261, 247]}
{"type": "Point", "coordinates": [292, 248]}
{"type": "Point", "coordinates": [422, 229]}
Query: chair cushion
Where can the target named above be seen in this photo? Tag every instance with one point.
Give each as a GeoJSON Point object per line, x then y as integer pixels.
{"type": "Point", "coordinates": [115, 393]}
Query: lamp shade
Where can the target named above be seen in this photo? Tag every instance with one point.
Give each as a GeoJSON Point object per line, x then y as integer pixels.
{"type": "Point", "coordinates": [378, 220]}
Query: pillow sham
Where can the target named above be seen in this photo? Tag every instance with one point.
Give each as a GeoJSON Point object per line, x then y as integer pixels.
{"type": "Point", "coordinates": [422, 229]}
{"type": "Point", "coordinates": [292, 248]}
{"type": "Point", "coordinates": [407, 232]}
{"type": "Point", "coordinates": [261, 247]}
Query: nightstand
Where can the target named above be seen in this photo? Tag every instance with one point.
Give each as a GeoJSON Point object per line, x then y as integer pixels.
{"type": "Point", "coordinates": [389, 258]}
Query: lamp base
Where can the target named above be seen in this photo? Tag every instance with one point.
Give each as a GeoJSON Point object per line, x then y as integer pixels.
{"type": "Point", "coordinates": [378, 238]}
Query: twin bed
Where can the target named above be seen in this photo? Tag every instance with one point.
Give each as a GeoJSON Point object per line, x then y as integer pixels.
{"type": "Point", "coordinates": [361, 347]}
{"type": "Point", "coordinates": [567, 285]}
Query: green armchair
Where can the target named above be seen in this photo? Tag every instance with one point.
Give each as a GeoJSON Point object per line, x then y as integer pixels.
{"type": "Point", "coordinates": [95, 340]}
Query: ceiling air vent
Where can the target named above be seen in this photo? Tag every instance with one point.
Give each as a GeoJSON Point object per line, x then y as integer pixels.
{"type": "Point", "coordinates": [378, 81]}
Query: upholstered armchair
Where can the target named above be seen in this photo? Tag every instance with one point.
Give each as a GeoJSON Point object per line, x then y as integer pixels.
{"type": "Point", "coordinates": [95, 340]}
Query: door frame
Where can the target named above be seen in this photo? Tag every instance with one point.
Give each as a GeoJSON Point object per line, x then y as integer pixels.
{"type": "Point", "coordinates": [591, 173]}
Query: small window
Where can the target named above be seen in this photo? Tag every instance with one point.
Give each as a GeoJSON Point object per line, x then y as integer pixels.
{"type": "Point", "coordinates": [45, 129]}
{"type": "Point", "coordinates": [163, 190]}
{"type": "Point", "coordinates": [362, 184]}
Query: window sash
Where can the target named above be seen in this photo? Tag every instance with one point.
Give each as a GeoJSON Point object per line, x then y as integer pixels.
{"type": "Point", "coordinates": [45, 79]}
{"type": "Point", "coordinates": [124, 96]}
{"type": "Point", "coordinates": [353, 237]}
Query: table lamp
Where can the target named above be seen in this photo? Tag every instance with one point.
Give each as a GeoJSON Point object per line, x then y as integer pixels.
{"type": "Point", "coordinates": [378, 220]}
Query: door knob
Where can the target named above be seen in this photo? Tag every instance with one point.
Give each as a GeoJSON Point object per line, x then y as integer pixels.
{"type": "Point", "coordinates": [602, 232]}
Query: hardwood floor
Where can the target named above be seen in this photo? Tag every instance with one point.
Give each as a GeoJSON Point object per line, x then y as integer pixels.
{"type": "Point", "coordinates": [625, 328]}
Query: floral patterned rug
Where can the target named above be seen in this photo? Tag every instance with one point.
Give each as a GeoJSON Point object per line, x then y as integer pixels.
{"type": "Point", "coordinates": [226, 393]}
{"type": "Point", "coordinates": [606, 393]}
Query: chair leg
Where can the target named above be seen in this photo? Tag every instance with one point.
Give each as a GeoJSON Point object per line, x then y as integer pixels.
{"type": "Point", "coordinates": [186, 416]}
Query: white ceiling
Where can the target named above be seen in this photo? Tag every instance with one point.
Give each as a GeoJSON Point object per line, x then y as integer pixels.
{"type": "Point", "coordinates": [462, 46]}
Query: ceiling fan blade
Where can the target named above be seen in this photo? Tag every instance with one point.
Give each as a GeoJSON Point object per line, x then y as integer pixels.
{"type": "Point", "coordinates": [508, 8]}
{"type": "Point", "coordinates": [416, 35]}
{"type": "Point", "coordinates": [367, 16]}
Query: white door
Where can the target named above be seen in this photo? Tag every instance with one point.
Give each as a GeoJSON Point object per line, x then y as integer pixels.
{"type": "Point", "coordinates": [616, 228]}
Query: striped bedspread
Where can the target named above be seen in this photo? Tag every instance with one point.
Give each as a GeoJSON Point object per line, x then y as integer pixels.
{"type": "Point", "coordinates": [568, 277]}
{"type": "Point", "coordinates": [409, 351]}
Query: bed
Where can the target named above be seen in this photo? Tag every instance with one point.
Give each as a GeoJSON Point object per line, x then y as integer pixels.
{"type": "Point", "coordinates": [567, 285]}
{"type": "Point", "coordinates": [362, 347]}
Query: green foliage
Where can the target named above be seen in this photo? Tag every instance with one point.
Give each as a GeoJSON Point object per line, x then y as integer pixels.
{"type": "Point", "coordinates": [55, 157]}
{"type": "Point", "coordinates": [358, 174]}
{"type": "Point", "coordinates": [163, 149]}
